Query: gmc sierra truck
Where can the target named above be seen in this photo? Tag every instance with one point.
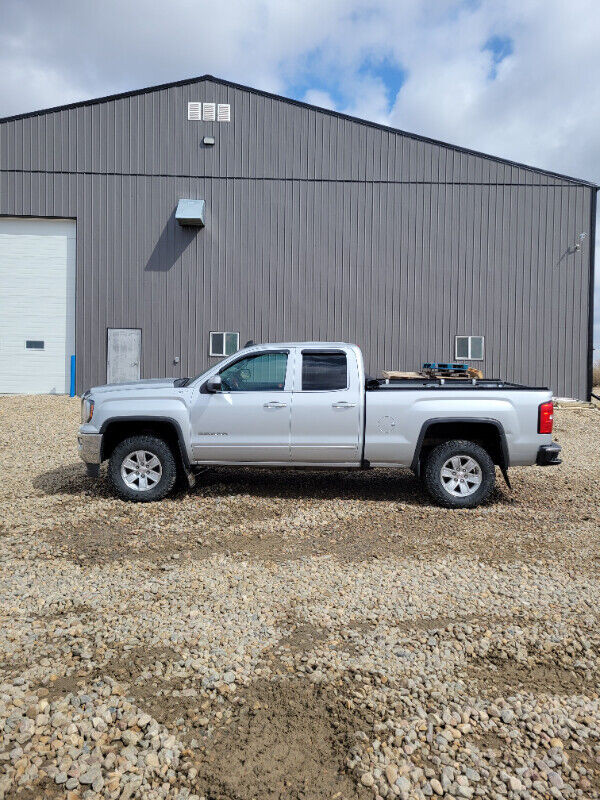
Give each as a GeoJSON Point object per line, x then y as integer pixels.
{"type": "Point", "coordinates": [309, 404]}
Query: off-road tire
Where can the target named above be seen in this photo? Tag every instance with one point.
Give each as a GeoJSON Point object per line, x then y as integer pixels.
{"type": "Point", "coordinates": [157, 447]}
{"type": "Point", "coordinates": [439, 456]}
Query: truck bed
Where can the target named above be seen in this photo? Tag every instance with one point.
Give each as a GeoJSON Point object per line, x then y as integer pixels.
{"type": "Point", "coordinates": [397, 412]}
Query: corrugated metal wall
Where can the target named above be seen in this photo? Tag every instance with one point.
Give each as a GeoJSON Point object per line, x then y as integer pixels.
{"type": "Point", "coordinates": [318, 227]}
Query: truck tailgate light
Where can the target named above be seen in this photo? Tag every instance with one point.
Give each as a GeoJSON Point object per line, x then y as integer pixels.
{"type": "Point", "coordinates": [545, 417]}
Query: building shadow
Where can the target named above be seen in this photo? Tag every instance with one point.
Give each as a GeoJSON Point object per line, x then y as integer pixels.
{"type": "Point", "coordinates": [172, 242]}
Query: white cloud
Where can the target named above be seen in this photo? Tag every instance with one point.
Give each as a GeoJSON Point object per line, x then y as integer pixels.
{"type": "Point", "coordinates": [542, 107]}
{"type": "Point", "coordinates": [317, 97]}
{"type": "Point", "coordinates": [26, 86]}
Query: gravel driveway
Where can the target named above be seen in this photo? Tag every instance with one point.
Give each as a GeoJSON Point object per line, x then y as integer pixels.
{"type": "Point", "coordinates": [295, 635]}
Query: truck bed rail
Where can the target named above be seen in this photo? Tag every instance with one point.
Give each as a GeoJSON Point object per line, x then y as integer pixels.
{"type": "Point", "coordinates": [389, 384]}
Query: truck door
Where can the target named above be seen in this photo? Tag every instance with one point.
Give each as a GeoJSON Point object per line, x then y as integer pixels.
{"type": "Point", "coordinates": [326, 409]}
{"type": "Point", "coordinates": [249, 420]}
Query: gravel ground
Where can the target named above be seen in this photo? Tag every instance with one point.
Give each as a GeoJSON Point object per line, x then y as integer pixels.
{"type": "Point", "coordinates": [295, 635]}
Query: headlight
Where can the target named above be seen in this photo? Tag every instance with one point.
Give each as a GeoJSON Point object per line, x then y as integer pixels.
{"type": "Point", "coordinates": [87, 410]}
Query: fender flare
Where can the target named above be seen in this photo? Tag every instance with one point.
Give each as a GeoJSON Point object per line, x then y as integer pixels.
{"type": "Point", "coordinates": [462, 420]}
{"type": "Point", "coordinates": [151, 418]}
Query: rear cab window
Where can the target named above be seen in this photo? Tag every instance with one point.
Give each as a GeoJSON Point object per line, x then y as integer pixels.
{"type": "Point", "coordinates": [324, 371]}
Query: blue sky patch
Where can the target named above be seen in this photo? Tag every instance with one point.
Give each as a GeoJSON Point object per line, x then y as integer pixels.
{"type": "Point", "coordinates": [390, 73]}
{"type": "Point", "coordinates": [500, 48]}
{"type": "Point", "coordinates": [316, 75]}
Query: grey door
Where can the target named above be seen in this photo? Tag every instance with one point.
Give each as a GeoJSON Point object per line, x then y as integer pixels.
{"type": "Point", "coordinates": [124, 355]}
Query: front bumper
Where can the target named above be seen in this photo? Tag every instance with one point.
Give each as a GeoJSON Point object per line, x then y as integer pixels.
{"type": "Point", "coordinates": [89, 447]}
{"type": "Point", "coordinates": [548, 455]}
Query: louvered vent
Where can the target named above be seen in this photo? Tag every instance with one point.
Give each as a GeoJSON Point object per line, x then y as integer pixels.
{"type": "Point", "coordinates": [194, 110]}
{"type": "Point", "coordinates": [223, 112]}
{"type": "Point", "coordinates": [208, 111]}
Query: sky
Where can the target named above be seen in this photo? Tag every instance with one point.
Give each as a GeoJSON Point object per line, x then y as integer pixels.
{"type": "Point", "coordinates": [515, 78]}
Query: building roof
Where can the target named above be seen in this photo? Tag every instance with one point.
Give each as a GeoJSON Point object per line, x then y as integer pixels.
{"type": "Point", "coordinates": [299, 103]}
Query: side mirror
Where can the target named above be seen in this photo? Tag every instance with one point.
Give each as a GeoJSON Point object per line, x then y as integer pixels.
{"type": "Point", "coordinates": [214, 384]}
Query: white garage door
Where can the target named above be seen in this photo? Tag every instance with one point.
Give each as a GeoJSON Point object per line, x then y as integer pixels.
{"type": "Point", "coordinates": [37, 304]}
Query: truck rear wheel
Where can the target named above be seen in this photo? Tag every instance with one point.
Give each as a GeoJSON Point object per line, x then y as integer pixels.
{"type": "Point", "coordinates": [459, 474]}
{"type": "Point", "coordinates": [142, 469]}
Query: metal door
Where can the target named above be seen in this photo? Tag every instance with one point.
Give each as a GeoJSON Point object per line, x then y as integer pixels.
{"type": "Point", "coordinates": [124, 355]}
{"type": "Point", "coordinates": [246, 424]}
{"type": "Point", "coordinates": [326, 418]}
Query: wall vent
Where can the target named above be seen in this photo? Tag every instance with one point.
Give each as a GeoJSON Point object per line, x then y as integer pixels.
{"type": "Point", "coordinates": [223, 112]}
{"type": "Point", "coordinates": [194, 110]}
{"type": "Point", "coordinates": [208, 111]}
{"type": "Point", "coordinates": [190, 212]}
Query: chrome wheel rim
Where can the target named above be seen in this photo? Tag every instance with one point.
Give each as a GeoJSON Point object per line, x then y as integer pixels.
{"type": "Point", "coordinates": [461, 476]}
{"type": "Point", "coordinates": [141, 470]}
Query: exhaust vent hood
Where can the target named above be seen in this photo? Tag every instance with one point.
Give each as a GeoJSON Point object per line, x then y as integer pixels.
{"type": "Point", "coordinates": [190, 212]}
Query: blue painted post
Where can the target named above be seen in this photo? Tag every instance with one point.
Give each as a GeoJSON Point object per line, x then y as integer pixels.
{"type": "Point", "coordinates": [72, 392]}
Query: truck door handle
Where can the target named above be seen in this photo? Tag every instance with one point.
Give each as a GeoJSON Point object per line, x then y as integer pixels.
{"type": "Point", "coordinates": [343, 404]}
{"type": "Point", "coordinates": [274, 404]}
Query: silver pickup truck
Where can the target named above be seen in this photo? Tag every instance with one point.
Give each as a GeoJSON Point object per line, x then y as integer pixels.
{"type": "Point", "coordinates": [309, 404]}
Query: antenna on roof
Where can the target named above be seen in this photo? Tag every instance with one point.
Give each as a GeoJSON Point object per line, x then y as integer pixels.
{"type": "Point", "coordinates": [249, 343]}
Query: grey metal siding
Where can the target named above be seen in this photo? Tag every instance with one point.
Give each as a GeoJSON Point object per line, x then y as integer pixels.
{"type": "Point", "coordinates": [149, 134]}
{"type": "Point", "coordinates": [317, 227]}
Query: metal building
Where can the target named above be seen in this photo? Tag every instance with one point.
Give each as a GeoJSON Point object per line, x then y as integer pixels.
{"type": "Point", "coordinates": [314, 225]}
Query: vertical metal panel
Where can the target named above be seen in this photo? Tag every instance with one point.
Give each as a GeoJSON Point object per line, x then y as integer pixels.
{"type": "Point", "coordinates": [317, 227]}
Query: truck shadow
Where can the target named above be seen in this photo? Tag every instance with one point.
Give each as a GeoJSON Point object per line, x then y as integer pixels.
{"type": "Point", "coordinates": [260, 482]}
{"type": "Point", "coordinates": [70, 479]}
{"type": "Point", "coordinates": [373, 485]}
{"type": "Point", "coordinates": [292, 484]}
{"type": "Point", "coordinates": [378, 485]}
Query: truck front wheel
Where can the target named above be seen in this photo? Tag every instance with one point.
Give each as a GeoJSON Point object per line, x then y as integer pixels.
{"type": "Point", "coordinates": [142, 469]}
{"type": "Point", "coordinates": [459, 474]}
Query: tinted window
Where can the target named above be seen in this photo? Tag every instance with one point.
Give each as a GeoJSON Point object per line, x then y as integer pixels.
{"type": "Point", "coordinates": [462, 347]}
{"type": "Point", "coordinates": [477, 347]}
{"type": "Point", "coordinates": [324, 371]}
{"type": "Point", "coordinates": [260, 373]}
{"type": "Point", "coordinates": [231, 343]}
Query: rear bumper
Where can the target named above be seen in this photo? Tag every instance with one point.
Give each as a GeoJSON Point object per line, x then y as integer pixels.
{"type": "Point", "coordinates": [89, 447]}
{"type": "Point", "coordinates": [548, 455]}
